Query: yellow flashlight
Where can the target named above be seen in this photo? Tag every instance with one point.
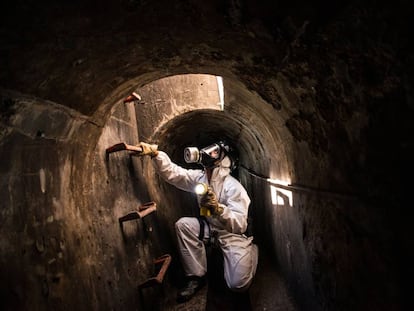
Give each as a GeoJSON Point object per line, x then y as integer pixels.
{"type": "Point", "coordinates": [201, 189]}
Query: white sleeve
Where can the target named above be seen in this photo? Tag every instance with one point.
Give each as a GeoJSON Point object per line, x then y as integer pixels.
{"type": "Point", "coordinates": [182, 178]}
{"type": "Point", "coordinates": [235, 208]}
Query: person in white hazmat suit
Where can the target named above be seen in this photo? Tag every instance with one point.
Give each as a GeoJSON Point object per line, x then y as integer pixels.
{"type": "Point", "coordinates": [225, 207]}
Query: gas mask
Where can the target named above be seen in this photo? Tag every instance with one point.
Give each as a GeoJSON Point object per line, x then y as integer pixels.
{"type": "Point", "coordinates": [209, 156]}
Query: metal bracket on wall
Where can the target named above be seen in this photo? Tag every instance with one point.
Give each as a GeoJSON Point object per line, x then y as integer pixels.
{"type": "Point", "coordinates": [143, 210]}
{"type": "Point", "coordinates": [165, 261]}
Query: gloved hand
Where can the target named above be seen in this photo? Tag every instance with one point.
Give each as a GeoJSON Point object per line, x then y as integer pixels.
{"type": "Point", "coordinates": [210, 202]}
{"type": "Point", "coordinates": [147, 149]}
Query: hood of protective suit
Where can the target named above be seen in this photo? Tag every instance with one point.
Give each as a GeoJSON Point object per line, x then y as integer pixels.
{"type": "Point", "coordinates": [220, 173]}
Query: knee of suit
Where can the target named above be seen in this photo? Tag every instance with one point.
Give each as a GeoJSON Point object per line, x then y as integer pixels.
{"type": "Point", "coordinates": [239, 275]}
{"type": "Point", "coordinates": [238, 284]}
{"type": "Point", "coordinates": [182, 225]}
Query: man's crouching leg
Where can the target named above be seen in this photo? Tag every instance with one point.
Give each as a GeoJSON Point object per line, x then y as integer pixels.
{"type": "Point", "coordinates": [240, 262]}
{"type": "Point", "coordinates": [193, 256]}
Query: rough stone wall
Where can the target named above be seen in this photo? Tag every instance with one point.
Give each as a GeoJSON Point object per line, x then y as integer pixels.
{"type": "Point", "coordinates": [38, 247]}
{"type": "Point", "coordinates": [61, 243]}
{"type": "Point", "coordinates": [353, 107]}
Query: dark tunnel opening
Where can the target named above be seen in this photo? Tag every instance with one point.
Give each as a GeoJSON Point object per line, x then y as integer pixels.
{"type": "Point", "coordinates": [252, 135]}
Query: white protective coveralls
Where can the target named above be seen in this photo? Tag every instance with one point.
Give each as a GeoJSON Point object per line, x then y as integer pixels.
{"type": "Point", "coordinates": [239, 253]}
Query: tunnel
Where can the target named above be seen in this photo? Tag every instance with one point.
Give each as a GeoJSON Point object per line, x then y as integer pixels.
{"type": "Point", "coordinates": [316, 97]}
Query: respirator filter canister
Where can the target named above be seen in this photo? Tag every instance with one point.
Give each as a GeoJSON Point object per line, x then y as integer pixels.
{"type": "Point", "coordinates": [191, 155]}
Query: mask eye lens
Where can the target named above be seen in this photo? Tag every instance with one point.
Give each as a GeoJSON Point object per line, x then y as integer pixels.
{"type": "Point", "coordinates": [214, 154]}
{"type": "Point", "coordinates": [212, 151]}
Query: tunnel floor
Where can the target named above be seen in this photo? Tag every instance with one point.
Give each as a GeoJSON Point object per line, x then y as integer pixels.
{"type": "Point", "coordinates": [268, 291]}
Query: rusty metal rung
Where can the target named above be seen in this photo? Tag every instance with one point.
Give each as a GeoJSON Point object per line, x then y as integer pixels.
{"type": "Point", "coordinates": [133, 97]}
{"type": "Point", "coordinates": [143, 210]}
{"type": "Point", "coordinates": [123, 146]}
{"type": "Point", "coordinates": [129, 216]}
{"type": "Point", "coordinates": [158, 279]}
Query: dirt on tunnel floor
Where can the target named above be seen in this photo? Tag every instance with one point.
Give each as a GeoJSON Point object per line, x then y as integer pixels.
{"type": "Point", "coordinates": [268, 291]}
